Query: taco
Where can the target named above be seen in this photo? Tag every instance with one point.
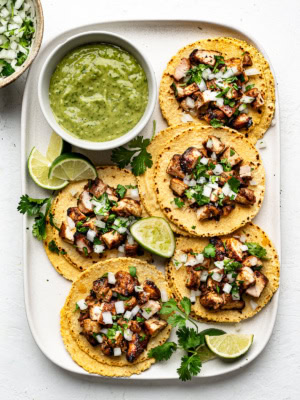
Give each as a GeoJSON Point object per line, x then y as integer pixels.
{"type": "Point", "coordinates": [112, 312]}
{"type": "Point", "coordinates": [219, 82]}
{"type": "Point", "coordinates": [227, 278]}
{"type": "Point", "coordinates": [93, 218]}
{"type": "Point", "coordinates": [209, 181]}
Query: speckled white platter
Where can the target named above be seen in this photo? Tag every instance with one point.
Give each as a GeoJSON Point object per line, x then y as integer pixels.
{"type": "Point", "coordinates": [45, 290]}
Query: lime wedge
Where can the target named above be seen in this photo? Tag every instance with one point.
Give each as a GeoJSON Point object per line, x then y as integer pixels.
{"type": "Point", "coordinates": [56, 147]}
{"type": "Point", "coordinates": [72, 167]}
{"type": "Point", "coordinates": [205, 354]}
{"type": "Point", "coordinates": [229, 345]}
{"type": "Point", "coordinates": [38, 167]}
{"type": "Point", "coordinates": [155, 235]}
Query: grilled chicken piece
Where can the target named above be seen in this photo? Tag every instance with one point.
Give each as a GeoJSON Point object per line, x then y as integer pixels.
{"type": "Point", "coordinates": [75, 214]}
{"type": "Point", "coordinates": [152, 305]}
{"type": "Point", "coordinates": [247, 60]}
{"type": "Point", "coordinates": [219, 246]}
{"type": "Point", "coordinates": [111, 194]}
{"type": "Point", "coordinates": [261, 282]}
{"type": "Point", "coordinates": [178, 186]}
{"type": "Point", "coordinates": [234, 249]}
{"type": "Point", "coordinates": [88, 328]}
{"type": "Point", "coordinates": [178, 91]}
{"type": "Point", "coordinates": [252, 261]}
{"type": "Point", "coordinates": [227, 110]}
{"type": "Point", "coordinates": [214, 114]}
{"type": "Point", "coordinates": [189, 159]}
{"type": "Point", "coordinates": [190, 89]}
{"type": "Point", "coordinates": [106, 346]}
{"type": "Point", "coordinates": [174, 167]}
{"type": "Point", "coordinates": [227, 209]}
{"type": "Point", "coordinates": [131, 249]}
{"type": "Point", "coordinates": [187, 104]}
{"type": "Point", "coordinates": [230, 304]}
{"type": "Point", "coordinates": [193, 280]}
{"type": "Point", "coordinates": [204, 57]}
{"type": "Point", "coordinates": [124, 283]}
{"type": "Point", "coordinates": [66, 234]}
{"type": "Point", "coordinates": [246, 275]}
{"type": "Point", "coordinates": [82, 243]}
{"type": "Point", "coordinates": [224, 177]}
{"type": "Point", "coordinates": [152, 289]}
{"type": "Point", "coordinates": [95, 312]}
{"type": "Point", "coordinates": [245, 171]}
{"type": "Point", "coordinates": [134, 326]}
{"type": "Point", "coordinates": [130, 304]}
{"type": "Point", "coordinates": [181, 69]}
{"type": "Point", "coordinates": [107, 307]}
{"type": "Point", "coordinates": [208, 211]}
{"type": "Point", "coordinates": [215, 145]}
{"type": "Point", "coordinates": [136, 346]}
{"type": "Point", "coordinates": [232, 156]}
{"type": "Point", "coordinates": [236, 64]}
{"type": "Point", "coordinates": [154, 325]}
{"type": "Point", "coordinates": [232, 93]}
{"type": "Point", "coordinates": [127, 207]}
{"type": "Point", "coordinates": [258, 102]}
{"type": "Point", "coordinates": [242, 121]}
{"type": "Point", "coordinates": [214, 197]}
{"type": "Point", "coordinates": [143, 297]}
{"type": "Point", "coordinates": [210, 283]}
{"type": "Point", "coordinates": [212, 300]}
{"type": "Point", "coordinates": [245, 196]}
{"type": "Point", "coordinates": [120, 342]}
{"type": "Point", "coordinates": [112, 239]}
{"type": "Point", "coordinates": [91, 224]}
{"type": "Point", "coordinates": [97, 188]}
{"type": "Point", "coordinates": [84, 202]}
{"type": "Point", "coordinates": [101, 288]}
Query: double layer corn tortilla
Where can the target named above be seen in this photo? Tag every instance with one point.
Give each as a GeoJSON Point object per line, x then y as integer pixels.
{"type": "Point", "coordinates": [229, 47]}
{"type": "Point", "coordinates": [177, 278]}
{"type": "Point", "coordinates": [81, 288]}
{"type": "Point", "coordinates": [185, 218]}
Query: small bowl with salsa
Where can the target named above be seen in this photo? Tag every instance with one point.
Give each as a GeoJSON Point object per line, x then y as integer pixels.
{"type": "Point", "coordinates": [97, 90]}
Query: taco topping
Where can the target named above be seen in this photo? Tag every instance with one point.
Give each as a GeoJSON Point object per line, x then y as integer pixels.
{"type": "Point", "coordinates": [102, 218]}
{"type": "Point", "coordinates": [211, 179]}
{"type": "Point", "coordinates": [121, 315]}
{"type": "Point", "coordinates": [223, 272]}
{"type": "Point", "coordinates": [217, 90]}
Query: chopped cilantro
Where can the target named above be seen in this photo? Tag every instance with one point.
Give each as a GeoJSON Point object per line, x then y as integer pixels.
{"type": "Point", "coordinates": [209, 251]}
{"type": "Point", "coordinates": [256, 249]}
{"type": "Point", "coordinates": [216, 123]}
{"type": "Point", "coordinates": [178, 202]}
{"type": "Point", "coordinates": [132, 271]}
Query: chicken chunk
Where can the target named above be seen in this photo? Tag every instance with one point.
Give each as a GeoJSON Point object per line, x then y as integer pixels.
{"type": "Point", "coordinates": [83, 245]}
{"type": "Point", "coordinates": [261, 282]}
{"type": "Point", "coordinates": [181, 69]}
{"type": "Point", "coordinates": [143, 297]}
{"type": "Point", "coordinates": [259, 100]}
{"type": "Point", "coordinates": [178, 91]}
{"type": "Point", "coordinates": [193, 279]}
{"type": "Point", "coordinates": [242, 121]}
{"type": "Point", "coordinates": [124, 283]}
{"type": "Point", "coordinates": [66, 233]}
{"type": "Point", "coordinates": [188, 104]}
{"type": "Point", "coordinates": [151, 307]}
{"type": "Point", "coordinates": [75, 214]}
{"type": "Point", "coordinates": [90, 327]}
{"type": "Point", "coordinates": [84, 202]}
{"type": "Point", "coordinates": [97, 188]}
{"type": "Point", "coordinates": [189, 159]}
{"type": "Point", "coordinates": [134, 326]}
{"type": "Point", "coordinates": [204, 57]}
{"type": "Point", "coordinates": [227, 209]}
{"type": "Point", "coordinates": [219, 246]}
{"type": "Point", "coordinates": [208, 211]}
{"type": "Point", "coordinates": [131, 303]}
{"type": "Point", "coordinates": [127, 207]}
{"type": "Point", "coordinates": [212, 300]}
{"type": "Point", "coordinates": [245, 196]}
{"type": "Point", "coordinates": [154, 325]}
{"type": "Point", "coordinates": [214, 197]}
{"type": "Point", "coordinates": [234, 248]}
{"type": "Point", "coordinates": [174, 167]}
{"type": "Point", "coordinates": [245, 171]}
{"type": "Point", "coordinates": [252, 261]}
{"type": "Point", "coordinates": [214, 114]}
{"type": "Point", "coordinates": [90, 224]}
{"type": "Point", "coordinates": [102, 290]}
{"type": "Point", "coordinates": [246, 276]}
{"type": "Point", "coordinates": [231, 304]}
{"type": "Point", "coordinates": [112, 239]}
{"type": "Point", "coordinates": [227, 110]}
{"type": "Point", "coordinates": [247, 60]}
{"type": "Point", "coordinates": [136, 346]}
{"type": "Point", "coordinates": [131, 249]}
{"type": "Point", "coordinates": [232, 156]}
{"type": "Point", "coordinates": [152, 289]}
{"type": "Point", "coordinates": [178, 186]}
{"type": "Point", "coordinates": [214, 144]}
{"type": "Point", "coordinates": [236, 64]}
{"type": "Point", "coordinates": [111, 194]}
{"type": "Point", "coordinates": [107, 347]}
{"type": "Point", "coordinates": [190, 89]}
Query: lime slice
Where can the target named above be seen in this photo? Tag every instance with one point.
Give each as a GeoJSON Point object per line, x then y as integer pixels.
{"type": "Point", "coordinates": [205, 354]}
{"type": "Point", "coordinates": [38, 167]}
{"type": "Point", "coordinates": [56, 147]}
{"type": "Point", "coordinates": [155, 235]}
{"type": "Point", "coordinates": [72, 167]}
{"type": "Point", "coordinates": [229, 345]}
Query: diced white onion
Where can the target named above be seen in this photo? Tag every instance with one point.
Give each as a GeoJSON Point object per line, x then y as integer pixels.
{"type": "Point", "coordinates": [204, 275]}
{"type": "Point", "coordinates": [134, 311]}
{"type": "Point", "coordinates": [244, 247]}
{"type": "Point", "coordinates": [121, 249]}
{"type": "Point", "coordinates": [247, 99]}
{"type": "Point", "coordinates": [117, 351]}
{"type": "Point", "coordinates": [213, 185]}
{"type": "Point", "coordinates": [130, 239]}
{"type": "Point", "coordinates": [209, 144]}
{"type": "Point", "coordinates": [217, 277]}
{"type": "Point", "coordinates": [253, 182]}
{"type": "Point", "coordinates": [230, 72]}
{"type": "Point", "coordinates": [104, 330]}
{"type": "Point", "coordinates": [192, 182]}
{"type": "Point", "coordinates": [226, 189]}
{"type": "Point", "coordinates": [82, 304]}
{"type": "Point", "coordinates": [190, 102]}
{"type": "Point", "coordinates": [187, 179]}
{"type": "Point", "coordinates": [218, 169]}
{"type": "Point", "coordinates": [186, 117]}
{"type": "Point", "coordinates": [192, 261]}
{"type": "Point", "coordinates": [261, 144]}
{"type": "Point", "coordinates": [242, 107]}
{"type": "Point", "coordinates": [227, 288]}
{"type": "Point", "coordinates": [206, 191]}
{"type": "Point", "coordinates": [164, 295]}
{"type": "Point", "coordinates": [219, 264]}
{"type": "Point", "coordinates": [177, 264]}
{"type": "Point", "coordinates": [206, 73]}
{"type": "Point", "coordinates": [199, 258]}
{"type": "Point", "coordinates": [99, 248]}
{"type": "Point", "coordinates": [243, 238]}
{"type": "Point", "coordinates": [99, 338]}
{"type": "Point", "coordinates": [122, 229]}
{"type": "Point", "coordinates": [202, 86]}
{"type": "Point", "coordinates": [235, 296]}
{"type": "Point", "coordinates": [183, 257]}
{"type": "Point", "coordinates": [128, 315]}
{"type": "Point", "coordinates": [71, 223]}
{"type": "Point", "coordinates": [230, 278]}
{"type": "Point", "coordinates": [253, 304]}
{"type": "Point", "coordinates": [204, 160]}
{"type": "Point", "coordinates": [107, 318]}
{"type": "Point", "coordinates": [128, 335]}
{"type": "Point", "coordinates": [211, 76]}
{"type": "Point", "coordinates": [119, 306]}
{"type": "Point", "coordinates": [100, 224]}
{"type": "Point", "coordinates": [111, 278]}
{"type": "Point", "coordinates": [213, 156]}
{"type": "Point", "coordinates": [253, 261]}
{"type": "Point", "coordinates": [195, 293]}
{"type": "Point", "coordinates": [192, 298]}
{"type": "Point", "coordinates": [220, 102]}
{"type": "Point", "coordinates": [252, 71]}
{"type": "Point", "coordinates": [91, 235]}
{"type": "Point", "coordinates": [133, 194]}
{"type": "Point", "coordinates": [201, 180]}
{"type": "Point", "coordinates": [138, 289]}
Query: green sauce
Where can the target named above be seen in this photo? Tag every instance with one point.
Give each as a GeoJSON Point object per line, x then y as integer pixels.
{"type": "Point", "coordinates": [98, 92]}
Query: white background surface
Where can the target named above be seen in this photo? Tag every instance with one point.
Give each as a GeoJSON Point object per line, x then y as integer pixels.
{"type": "Point", "coordinates": [24, 371]}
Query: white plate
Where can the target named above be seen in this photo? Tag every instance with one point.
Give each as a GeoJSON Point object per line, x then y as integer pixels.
{"type": "Point", "coordinates": [45, 290]}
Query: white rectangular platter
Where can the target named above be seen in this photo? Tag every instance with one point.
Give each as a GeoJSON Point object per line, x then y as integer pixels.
{"type": "Point", "coordinates": [45, 289]}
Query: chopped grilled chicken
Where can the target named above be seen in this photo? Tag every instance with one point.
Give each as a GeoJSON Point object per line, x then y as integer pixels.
{"type": "Point", "coordinates": [120, 342]}
{"type": "Point", "coordinates": [154, 325]}
{"type": "Point", "coordinates": [187, 104]}
{"type": "Point", "coordinates": [224, 177]}
{"type": "Point", "coordinates": [234, 248]}
{"type": "Point", "coordinates": [106, 347]}
{"type": "Point", "coordinates": [143, 297]}
{"type": "Point", "coordinates": [210, 283]}
{"type": "Point", "coordinates": [75, 214]}
{"type": "Point", "coordinates": [181, 69]}
{"type": "Point", "coordinates": [245, 171]}
{"type": "Point", "coordinates": [112, 239]}
{"type": "Point", "coordinates": [227, 110]}
{"type": "Point", "coordinates": [83, 245]}
{"type": "Point", "coordinates": [189, 159]}
{"type": "Point", "coordinates": [245, 196]}
{"type": "Point", "coordinates": [131, 303]}
{"type": "Point", "coordinates": [214, 114]}
{"type": "Point", "coordinates": [111, 194]}
{"type": "Point", "coordinates": [88, 328]}
{"type": "Point", "coordinates": [216, 145]}
{"type": "Point", "coordinates": [134, 326]}
{"type": "Point", "coordinates": [84, 202]}
{"type": "Point", "coordinates": [246, 276]}
{"type": "Point", "coordinates": [152, 305]}
{"type": "Point", "coordinates": [219, 246]}
{"type": "Point", "coordinates": [178, 186]}
{"type": "Point", "coordinates": [107, 307]}
{"type": "Point", "coordinates": [259, 100]}
{"type": "Point", "coordinates": [90, 224]}
{"type": "Point", "coordinates": [124, 283]}
{"type": "Point", "coordinates": [95, 312]}
{"type": "Point", "coordinates": [252, 261]}
{"type": "Point", "coordinates": [174, 167]}
{"type": "Point", "coordinates": [204, 57]}
{"type": "Point", "coordinates": [230, 304]}
{"type": "Point", "coordinates": [66, 233]}
{"type": "Point", "coordinates": [193, 279]}
{"type": "Point", "coordinates": [247, 60]}
{"type": "Point", "coordinates": [152, 289]}
{"type": "Point", "coordinates": [260, 283]}
{"type": "Point", "coordinates": [127, 207]}
{"type": "Point", "coordinates": [97, 188]}
{"type": "Point", "coordinates": [242, 121]}
{"type": "Point", "coordinates": [232, 156]}
{"type": "Point", "coordinates": [101, 289]}
{"type": "Point", "coordinates": [178, 91]}
{"type": "Point", "coordinates": [232, 93]}
{"type": "Point", "coordinates": [131, 249]}
{"type": "Point", "coordinates": [214, 197]}
{"type": "Point", "coordinates": [208, 211]}
{"type": "Point", "coordinates": [190, 89]}
{"type": "Point", "coordinates": [136, 346]}
{"type": "Point", "coordinates": [236, 64]}
{"type": "Point", "coordinates": [227, 209]}
{"type": "Point", "coordinates": [212, 300]}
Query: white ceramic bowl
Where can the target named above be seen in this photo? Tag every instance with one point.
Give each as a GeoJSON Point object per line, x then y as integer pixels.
{"type": "Point", "coordinates": [55, 57]}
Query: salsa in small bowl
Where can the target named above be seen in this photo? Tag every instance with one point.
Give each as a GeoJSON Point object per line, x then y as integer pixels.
{"type": "Point", "coordinates": [97, 90]}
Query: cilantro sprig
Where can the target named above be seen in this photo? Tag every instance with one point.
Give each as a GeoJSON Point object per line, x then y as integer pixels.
{"type": "Point", "coordinates": [256, 249]}
{"type": "Point", "coordinates": [136, 155]}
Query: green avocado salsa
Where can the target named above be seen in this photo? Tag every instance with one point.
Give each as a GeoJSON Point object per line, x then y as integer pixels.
{"type": "Point", "coordinates": [98, 92]}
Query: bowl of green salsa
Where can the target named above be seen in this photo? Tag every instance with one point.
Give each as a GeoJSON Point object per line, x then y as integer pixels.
{"type": "Point", "coordinates": [97, 90]}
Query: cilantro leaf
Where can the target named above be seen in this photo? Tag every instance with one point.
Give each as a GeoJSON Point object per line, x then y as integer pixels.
{"type": "Point", "coordinates": [186, 305]}
{"type": "Point", "coordinates": [30, 206]}
{"type": "Point", "coordinates": [234, 184]}
{"type": "Point", "coordinates": [53, 247]}
{"type": "Point", "coordinates": [121, 190]}
{"type": "Point", "coordinates": [122, 156]}
{"type": "Point", "coordinates": [216, 123]}
{"type": "Point", "coordinates": [168, 307]}
{"type": "Point", "coordinates": [132, 271]}
{"type": "Point", "coordinates": [209, 251]}
{"type": "Point", "coordinates": [178, 202]}
{"type": "Point", "coordinates": [163, 352]}
{"type": "Point", "coordinates": [177, 320]}
{"type": "Point", "coordinates": [7, 69]}
{"type": "Point", "coordinates": [256, 249]}
{"type": "Point", "coordinates": [190, 366]}
{"type": "Point", "coordinates": [141, 162]}
{"type": "Point", "coordinates": [51, 219]}
{"type": "Point", "coordinates": [39, 227]}
{"type": "Point", "coordinates": [188, 338]}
